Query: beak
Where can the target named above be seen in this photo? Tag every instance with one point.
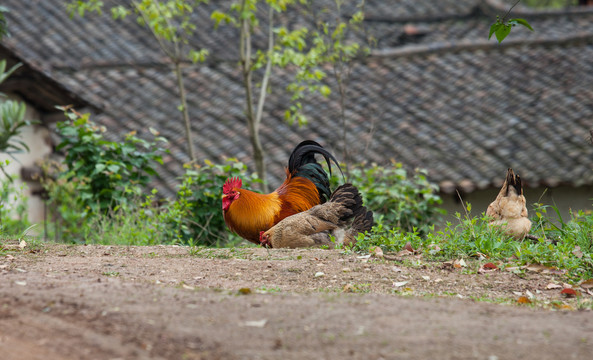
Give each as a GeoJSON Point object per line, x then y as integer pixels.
{"type": "Point", "coordinates": [223, 196]}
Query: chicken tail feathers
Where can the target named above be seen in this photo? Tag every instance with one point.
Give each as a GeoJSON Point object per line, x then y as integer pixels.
{"type": "Point", "coordinates": [348, 196]}
{"type": "Point", "coordinates": [514, 180]}
{"type": "Point", "coordinates": [356, 217]}
{"type": "Point", "coordinates": [364, 221]}
{"type": "Point", "coordinates": [517, 185]}
{"type": "Point", "coordinates": [302, 163]}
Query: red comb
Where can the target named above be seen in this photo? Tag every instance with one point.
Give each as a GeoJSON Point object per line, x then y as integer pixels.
{"type": "Point", "coordinates": [231, 183]}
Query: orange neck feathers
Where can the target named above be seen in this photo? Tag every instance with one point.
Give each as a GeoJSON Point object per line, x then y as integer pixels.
{"type": "Point", "coordinates": [251, 213]}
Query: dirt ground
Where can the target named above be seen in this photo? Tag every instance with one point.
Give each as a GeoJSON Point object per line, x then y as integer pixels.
{"type": "Point", "coordinates": [166, 302]}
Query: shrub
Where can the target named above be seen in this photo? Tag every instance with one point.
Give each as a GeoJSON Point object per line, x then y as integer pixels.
{"type": "Point", "coordinates": [399, 201]}
{"type": "Point", "coordinates": [193, 217]}
{"type": "Point", "coordinates": [13, 208]}
{"type": "Point", "coordinates": [105, 172]}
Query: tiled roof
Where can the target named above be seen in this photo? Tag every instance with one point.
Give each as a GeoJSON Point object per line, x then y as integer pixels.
{"type": "Point", "coordinates": [434, 94]}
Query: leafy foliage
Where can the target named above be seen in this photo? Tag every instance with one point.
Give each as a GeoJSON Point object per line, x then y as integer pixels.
{"type": "Point", "coordinates": [13, 208]}
{"type": "Point", "coordinates": [105, 172]}
{"type": "Point", "coordinates": [12, 116]}
{"type": "Point", "coordinates": [399, 201]}
{"type": "Point", "coordinates": [193, 217]}
{"type": "Point", "coordinates": [502, 28]}
{"type": "Point", "coordinates": [12, 121]}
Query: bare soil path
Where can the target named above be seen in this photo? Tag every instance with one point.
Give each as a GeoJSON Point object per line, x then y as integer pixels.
{"type": "Point", "coordinates": [166, 302]}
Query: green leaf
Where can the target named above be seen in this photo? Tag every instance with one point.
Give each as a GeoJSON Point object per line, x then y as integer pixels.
{"type": "Point", "coordinates": [325, 90]}
{"type": "Point", "coordinates": [521, 22]}
{"type": "Point", "coordinates": [493, 29]}
{"type": "Point", "coordinates": [502, 32]}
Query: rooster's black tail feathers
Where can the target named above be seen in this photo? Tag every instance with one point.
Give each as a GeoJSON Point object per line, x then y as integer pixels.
{"type": "Point", "coordinates": [302, 163]}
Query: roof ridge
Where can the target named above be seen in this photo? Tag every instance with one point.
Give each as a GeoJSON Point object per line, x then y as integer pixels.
{"type": "Point", "coordinates": [495, 6]}
{"type": "Point", "coordinates": [447, 47]}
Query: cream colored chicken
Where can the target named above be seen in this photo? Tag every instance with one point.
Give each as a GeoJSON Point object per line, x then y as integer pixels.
{"type": "Point", "coordinates": [337, 221]}
{"type": "Point", "coordinates": [508, 210]}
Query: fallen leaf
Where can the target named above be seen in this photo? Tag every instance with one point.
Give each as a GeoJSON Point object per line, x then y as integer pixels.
{"type": "Point", "coordinates": [409, 247]}
{"type": "Point", "coordinates": [348, 288]}
{"type": "Point", "coordinates": [529, 294]}
{"type": "Point", "coordinates": [185, 286]}
{"type": "Point", "coordinates": [377, 252]}
{"type": "Point", "coordinates": [551, 286]}
{"type": "Point", "coordinates": [543, 269]}
{"type": "Point", "coordinates": [587, 284]}
{"type": "Point", "coordinates": [404, 253]}
{"type": "Point", "coordinates": [244, 291]}
{"type": "Point", "coordinates": [458, 264]}
{"type": "Point", "coordinates": [523, 300]}
{"type": "Point", "coordinates": [577, 252]}
{"type": "Point", "coordinates": [569, 292]}
{"type": "Point", "coordinates": [256, 323]}
{"type": "Point", "coordinates": [513, 268]}
{"type": "Point", "coordinates": [400, 283]}
{"type": "Point", "coordinates": [22, 244]}
{"type": "Point", "coordinates": [486, 268]}
{"type": "Point", "coordinates": [426, 278]}
{"type": "Point", "coordinates": [448, 264]}
{"type": "Point", "coordinates": [21, 283]}
{"type": "Point", "coordinates": [518, 293]}
{"type": "Point", "coordinates": [482, 256]}
{"type": "Point", "coordinates": [364, 256]}
{"type": "Point", "coordinates": [319, 274]}
{"type": "Point", "coordinates": [563, 306]}
{"type": "Point", "coordinates": [396, 269]}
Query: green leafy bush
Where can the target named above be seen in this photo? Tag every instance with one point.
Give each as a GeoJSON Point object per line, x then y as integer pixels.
{"type": "Point", "coordinates": [399, 201]}
{"type": "Point", "coordinates": [193, 217]}
{"type": "Point", "coordinates": [13, 208]}
{"type": "Point", "coordinates": [105, 172]}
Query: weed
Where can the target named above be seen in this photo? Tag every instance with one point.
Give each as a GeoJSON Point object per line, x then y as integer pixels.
{"type": "Point", "coordinates": [268, 290]}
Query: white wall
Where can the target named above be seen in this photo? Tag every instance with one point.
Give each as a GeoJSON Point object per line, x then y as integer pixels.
{"type": "Point", "coordinates": [36, 137]}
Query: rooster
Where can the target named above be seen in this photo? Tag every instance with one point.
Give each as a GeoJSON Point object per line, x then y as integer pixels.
{"type": "Point", "coordinates": [247, 213]}
{"type": "Point", "coordinates": [508, 210]}
{"type": "Point", "coordinates": [337, 221]}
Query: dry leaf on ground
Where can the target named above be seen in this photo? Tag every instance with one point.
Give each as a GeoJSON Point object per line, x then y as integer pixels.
{"type": "Point", "coordinates": [587, 284]}
{"type": "Point", "coordinates": [569, 292]}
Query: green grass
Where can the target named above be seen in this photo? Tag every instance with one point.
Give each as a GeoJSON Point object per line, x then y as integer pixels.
{"type": "Point", "coordinates": [471, 237]}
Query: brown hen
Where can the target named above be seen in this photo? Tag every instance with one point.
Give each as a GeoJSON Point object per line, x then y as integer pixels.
{"type": "Point", "coordinates": [338, 221]}
{"type": "Point", "coordinates": [508, 210]}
